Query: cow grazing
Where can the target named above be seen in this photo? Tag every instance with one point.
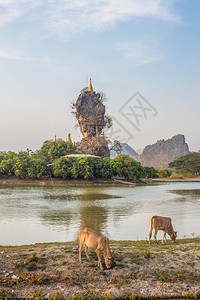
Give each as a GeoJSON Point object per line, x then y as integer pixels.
{"type": "Point", "coordinates": [162, 223]}
{"type": "Point", "coordinates": [97, 242]}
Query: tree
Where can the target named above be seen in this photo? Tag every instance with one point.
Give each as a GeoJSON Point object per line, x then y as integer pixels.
{"type": "Point", "coordinates": [130, 168]}
{"type": "Point", "coordinates": [8, 162]}
{"type": "Point", "coordinates": [103, 168]}
{"type": "Point", "coordinates": [151, 172]}
{"type": "Point", "coordinates": [117, 147]}
{"type": "Point", "coordinates": [22, 164]}
{"type": "Point", "coordinates": [83, 167]}
{"type": "Point", "coordinates": [37, 168]}
{"type": "Point", "coordinates": [50, 151]}
{"type": "Point", "coordinates": [63, 167]}
{"type": "Point", "coordinates": [108, 121]}
{"type": "Point", "coordinates": [187, 164]}
{"type": "Point", "coordinates": [163, 173]}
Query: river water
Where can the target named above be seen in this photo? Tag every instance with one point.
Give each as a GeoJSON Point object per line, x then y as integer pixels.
{"type": "Point", "coordinates": [54, 214]}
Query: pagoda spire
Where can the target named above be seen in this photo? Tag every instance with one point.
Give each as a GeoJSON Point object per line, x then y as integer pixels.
{"type": "Point", "coordinates": [69, 140]}
{"type": "Point", "coordinates": [90, 88]}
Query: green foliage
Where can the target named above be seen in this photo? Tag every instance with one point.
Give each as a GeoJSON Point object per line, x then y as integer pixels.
{"type": "Point", "coordinates": [163, 173]}
{"type": "Point", "coordinates": [8, 162]}
{"type": "Point", "coordinates": [89, 168]}
{"type": "Point", "coordinates": [22, 165]}
{"type": "Point", "coordinates": [37, 168]}
{"type": "Point", "coordinates": [2, 155]}
{"type": "Point", "coordinates": [151, 172]}
{"type": "Point", "coordinates": [130, 168]}
{"type": "Point", "coordinates": [62, 167]}
{"type": "Point", "coordinates": [50, 151]}
{"type": "Point", "coordinates": [27, 164]}
{"type": "Point", "coordinates": [188, 164]}
{"type": "Point", "coordinates": [83, 167]}
{"type": "Point", "coordinates": [103, 168]}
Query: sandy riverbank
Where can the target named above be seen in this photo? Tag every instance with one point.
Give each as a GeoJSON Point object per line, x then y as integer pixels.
{"type": "Point", "coordinates": [52, 271]}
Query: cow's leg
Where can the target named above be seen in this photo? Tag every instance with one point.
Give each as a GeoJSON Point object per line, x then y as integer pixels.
{"type": "Point", "coordinates": [87, 252]}
{"type": "Point", "coordinates": [163, 237]}
{"type": "Point", "coordinates": [80, 246]}
{"type": "Point", "coordinates": [155, 234]}
{"type": "Point", "coordinates": [150, 234]}
{"type": "Point", "coordinates": [99, 255]}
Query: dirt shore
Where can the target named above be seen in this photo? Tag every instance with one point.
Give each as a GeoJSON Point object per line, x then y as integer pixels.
{"type": "Point", "coordinates": [52, 271]}
{"type": "Point", "coordinates": [14, 181]}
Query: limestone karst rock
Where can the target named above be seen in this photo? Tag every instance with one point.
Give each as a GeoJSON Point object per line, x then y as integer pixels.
{"type": "Point", "coordinates": [163, 152]}
{"type": "Point", "coordinates": [90, 114]}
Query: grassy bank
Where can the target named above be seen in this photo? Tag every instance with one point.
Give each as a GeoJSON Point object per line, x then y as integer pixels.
{"type": "Point", "coordinates": [52, 271]}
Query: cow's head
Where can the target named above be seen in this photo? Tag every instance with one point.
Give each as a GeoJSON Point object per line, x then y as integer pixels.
{"type": "Point", "coordinates": [109, 260]}
{"type": "Point", "coordinates": [173, 236]}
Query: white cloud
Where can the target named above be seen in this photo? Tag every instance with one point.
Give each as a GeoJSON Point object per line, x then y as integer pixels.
{"type": "Point", "coordinates": [139, 52]}
{"type": "Point", "coordinates": [72, 16]}
{"type": "Point", "coordinates": [12, 55]}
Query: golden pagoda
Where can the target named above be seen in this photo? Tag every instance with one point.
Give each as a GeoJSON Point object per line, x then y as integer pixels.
{"type": "Point", "coordinates": [69, 140]}
{"type": "Point", "coordinates": [90, 88]}
{"type": "Point", "coordinates": [55, 139]}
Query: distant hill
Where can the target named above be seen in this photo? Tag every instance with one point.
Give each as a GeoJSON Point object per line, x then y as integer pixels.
{"type": "Point", "coordinates": [162, 152]}
{"type": "Point", "coordinates": [126, 149]}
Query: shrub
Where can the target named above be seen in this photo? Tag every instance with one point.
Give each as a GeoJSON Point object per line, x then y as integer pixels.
{"type": "Point", "coordinates": [130, 168]}
{"type": "Point", "coordinates": [163, 173]}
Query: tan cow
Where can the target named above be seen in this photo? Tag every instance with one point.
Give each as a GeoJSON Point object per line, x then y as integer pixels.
{"type": "Point", "coordinates": [97, 242]}
{"type": "Point", "coordinates": [162, 223]}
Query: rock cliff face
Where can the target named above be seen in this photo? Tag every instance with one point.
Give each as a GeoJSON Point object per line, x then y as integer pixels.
{"type": "Point", "coordinates": [161, 153]}
{"type": "Point", "coordinates": [90, 113]}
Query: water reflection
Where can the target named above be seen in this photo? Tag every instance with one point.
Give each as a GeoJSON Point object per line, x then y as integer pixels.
{"type": "Point", "coordinates": [94, 217]}
{"type": "Point", "coordinates": [193, 193]}
{"type": "Point", "coordinates": [42, 214]}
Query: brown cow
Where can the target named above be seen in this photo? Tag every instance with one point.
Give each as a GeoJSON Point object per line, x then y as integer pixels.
{"type": "Point", "coordinates": [162, 223]}
{"type": "Point", "coordinates": [97, 242]}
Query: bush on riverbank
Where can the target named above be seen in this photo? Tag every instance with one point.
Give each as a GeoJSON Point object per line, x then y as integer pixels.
{"type": "Point", "coordinates": [50, 161]}
{"type": "Point", "coordinates": [89, 167]}
{"type": "Point", "coordinates": [187, 165]}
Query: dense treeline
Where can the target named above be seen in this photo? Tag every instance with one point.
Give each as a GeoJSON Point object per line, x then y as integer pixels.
{"type": "Point", "coordinates": [50, 161]}
{"type": "Point", "coordinates": [187, 165]}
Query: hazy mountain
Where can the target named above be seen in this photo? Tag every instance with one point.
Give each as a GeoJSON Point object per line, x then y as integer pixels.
{"type": "Point", "coordinates": [158, 155]}
{"type": "Point", "coordinates": [126, 149]}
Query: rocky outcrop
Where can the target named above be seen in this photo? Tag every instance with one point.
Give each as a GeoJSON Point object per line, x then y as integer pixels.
{"type": "Point", "coordinates": [161, 153]}
{"type": "Point", "coordinates": [126, 149]}
{"type": "Point", "coordinates": [90, 145]}
{"type": "Point", "coordinates": [90, 114]}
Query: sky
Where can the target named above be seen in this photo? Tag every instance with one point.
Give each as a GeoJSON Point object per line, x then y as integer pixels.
{"type": "Point", "coordinates": [144, 55]}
